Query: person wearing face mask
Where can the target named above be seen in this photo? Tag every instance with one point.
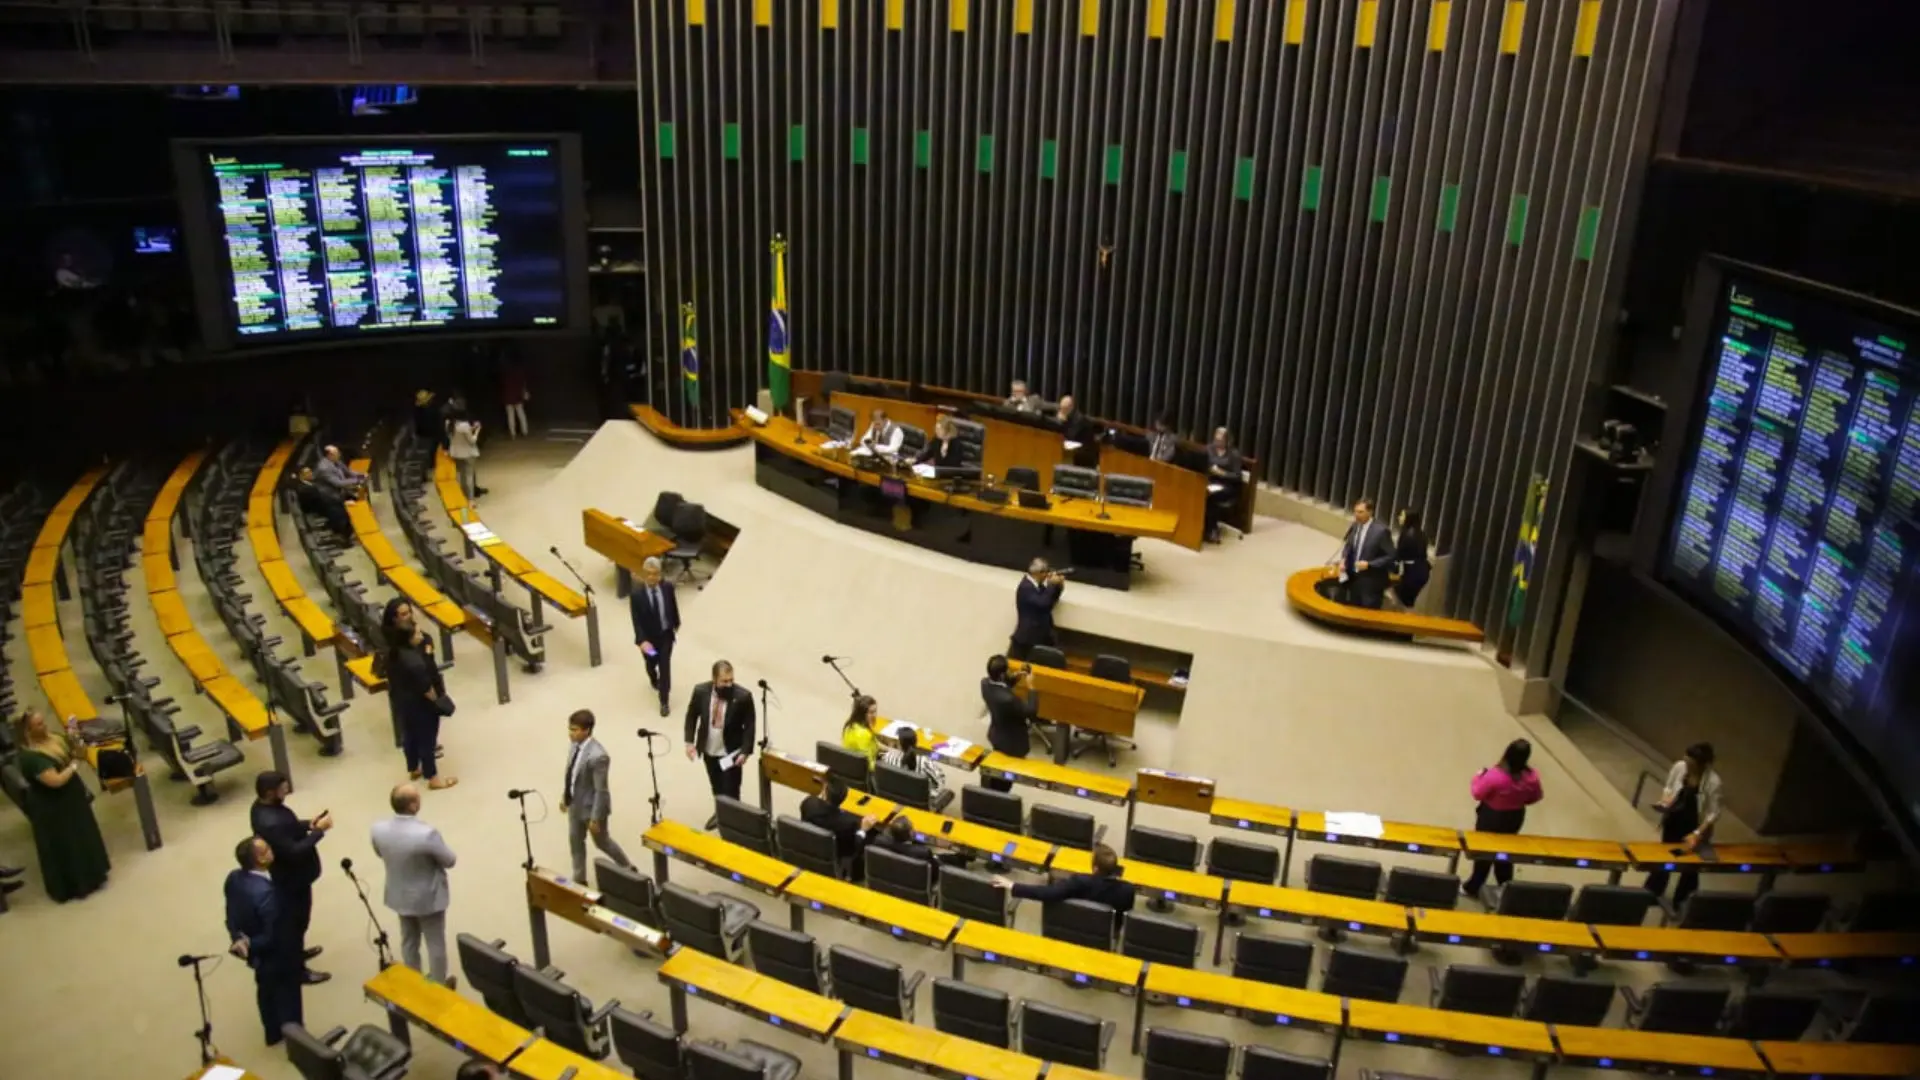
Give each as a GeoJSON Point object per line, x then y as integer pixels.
{"type": "Point", "coordinates": [720, 722]}
{"type": "Point", "coordinates": [415, 691]}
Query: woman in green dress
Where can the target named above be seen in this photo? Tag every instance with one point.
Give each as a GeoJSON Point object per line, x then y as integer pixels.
{"type": "Point", "coordinates": [73, 858]}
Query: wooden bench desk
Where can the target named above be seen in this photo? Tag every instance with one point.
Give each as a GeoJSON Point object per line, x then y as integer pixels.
{"type": "Point", "coordinates": [1003, 849]}
{"type": "Point", "coordinates": [157, 570]}
{"type": "Point", "coordinates": [381, 551]}
{"type": "Point", "coordinates": [1300, 906]}
{"type": "Point", "coordinates": [1437, 840]}
{"type": "Point", "coordinates": [1664, 943]}
{"type": "Point", "coordinates": [1062, 960]}
{"type": "Point", "coordinates": [170, 610]}
{"type": "Point", "coordinates": [942, 747]}
{"type": "Point", "coordinates": [1257, 1002]}
{"type": "Point", "coordinates": [546, 1060]}
{"type": "Point", "coordinates": [65, 697]}
{"type": "Point", "coordinates": [361, 668]}
{"type": "Point", "coordinates": [691, 972]}
{"type": "Point", "coordinates": [1155, 882]}
{"type": "Point", "coordinates": [199, 658]}
{"type": "Point", "coordinates": [672, 840]}
{"type": "Point", "coordinates": [1488, 929]}
{"type": "Point", "coordinates": [47, 649]}
{"type": "Point", "coordinates": [1252, 816]}
{"type": "Point", "coordinates": [265, 541]}
{"type": "Point", "coordinates": [1547, 851]}
{"type": "Point", "coordinates": [1048, 776]}
{"type": "Point", "coordinates": [244, 711]}
{"type": "Point", "coordinates": [1306, 599]}
{"type": "Point", "coordinates": [410, 997]}
{"type": "Point", "coordinates": [1829, 949]}
{"type": "Point", "coordinates": [1768, 859]}
{"type": "Point", "coordinates": [1624, 1049]}
{"type": "Point", "coordinates": [551, 893]}
{"type": "Point", "coordinates": [1831, 856]}
{"type": "Point", "coordinates": [1839, 1061]}
{"type": "Point", "coordinates": [924, 1049]}
{"type": "Point", "coordinates": [315, 625]}
{"type": "Point", "coordinates": [1455, 1032]}
{"type": "Point", "coordinates": [626, 542]}
{"type": "Point", "coordinates": [37, 606]}
{"type": "Point", "coordinates": [42, 562]}
{"type": "Point", "coordinates": [902, 919]}
{"type": "Point", "coordinates": [280, 580]}
{"type": "Point", "coordinates": [1082, 702]}
{"type": "Point", "coordinates": [427, 600]}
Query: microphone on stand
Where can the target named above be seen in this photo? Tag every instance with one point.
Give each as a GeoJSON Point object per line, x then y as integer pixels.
{"type": "Point", "coordinates": [831, 659]}
{"type": "Point", "coordinates": [347, 865]}
{"type": "Point", "coordinates": [763, 684]}
{"type": "Point", "coordinates": [520, 793]}
{"type": "Point", "coordinates": [189, 961]}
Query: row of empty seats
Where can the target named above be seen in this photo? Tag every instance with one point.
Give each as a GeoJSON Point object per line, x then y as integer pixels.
{"type": "Point", "coordinates": [428, 602]}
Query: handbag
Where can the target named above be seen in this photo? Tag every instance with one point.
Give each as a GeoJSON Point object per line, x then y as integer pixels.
{"type": "Point", "coordinates": [444, 702]}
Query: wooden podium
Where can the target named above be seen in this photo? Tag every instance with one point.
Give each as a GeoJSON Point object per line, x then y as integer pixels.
{"type": "Point", "coordinates": [1073, 700]}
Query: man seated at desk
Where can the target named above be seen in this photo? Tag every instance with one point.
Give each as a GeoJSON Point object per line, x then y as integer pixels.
{"type": "Point", "coordinates": [319, 502]}
{"type": "Point", "coordinates": [850, 831]}
{"type": "Point", "coordinates": [882, 438]}
{"type": "Point", "coordinates": [1103, 886]}
{"type": "Point", "coordinates": [898, 838]}
{"type": "Point", "coordinates": [1082, 433]}
{"type": "Point", "coordinates": [1020, 398]}
{"type": "Point", "coordinates": [943, 451]}
{"type": "Point", "coordinates": [337, 477]}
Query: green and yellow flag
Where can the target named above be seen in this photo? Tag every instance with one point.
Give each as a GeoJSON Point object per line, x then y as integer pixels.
{"type": "Point", "coordinates": [779, 364]}
{"type": "Point", "coordinates": [689, 355]}
{"type": "Point", "coordinates": [1530, 516]}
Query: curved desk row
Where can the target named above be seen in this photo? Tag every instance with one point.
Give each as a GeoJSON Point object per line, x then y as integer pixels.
{"type": "Point", "coordinates": [47, 647]}
{"type": "Point", "coordinates": [1411, 926]}
{"type": "Point", "coordinates": [1307, 600]}
{"type": "Point", "coordinates": [1264, 1003]}
{"type": "Point", "coordinates": [686, 438]}
{"type": "Point", "coordinates": [392, 569]}
{"type": "Point", "coordinates": [317, 630]}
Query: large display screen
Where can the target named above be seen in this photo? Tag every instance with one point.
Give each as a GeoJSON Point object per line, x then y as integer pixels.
{"type": "Point", "coordinates": [1795, 509]}
{"type": "Point", "coordinates": [312, 241]}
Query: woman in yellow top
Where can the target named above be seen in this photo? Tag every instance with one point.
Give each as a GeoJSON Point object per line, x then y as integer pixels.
{"type": "Point", "coordinates": [857, 733]}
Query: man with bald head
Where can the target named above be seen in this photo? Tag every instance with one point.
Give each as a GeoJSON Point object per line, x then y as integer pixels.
{"type": "Point", "coordinates": [337, 477]}
{"type": "Point", "coordinates": [417, 861]}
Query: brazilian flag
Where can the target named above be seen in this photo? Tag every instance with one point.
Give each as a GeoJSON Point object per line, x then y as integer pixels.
{"type": "Point", "coordinates": [779, 364]}
{"type": "Point", "coordinates": [689, 355]}
{"type": "Point", "coordinates": [1524, 550]}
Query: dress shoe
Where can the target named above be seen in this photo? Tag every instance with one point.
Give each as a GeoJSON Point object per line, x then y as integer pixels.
{"type": "Point", "coordinates": [315, 978]}
{"type": "Point", "coordinates": [713, 822]}
{"type": "Point", "coordinates": [312, 951]}
{"type": "Point", "coordinates": [10, 871]}
{"type": "Point", "coordinates": [11, 886]}
{"type": "Point", "coordinates": [664, 710]}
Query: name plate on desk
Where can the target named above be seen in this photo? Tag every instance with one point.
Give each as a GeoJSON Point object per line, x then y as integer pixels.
{"type": "Point", "coordinates": [1157, 787]}
{"type": "Point", "coordinates": [634, 935]}
{"type": "Point", "coordinates": [788, 770]}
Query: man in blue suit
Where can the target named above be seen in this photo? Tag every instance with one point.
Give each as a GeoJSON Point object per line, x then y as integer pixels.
{"type": "Point", "coordinates": [1033, 609]}
{"type": "Point", "coordinates": [262, 937]}
{"type": "Point", "coordinates": [656, 617]}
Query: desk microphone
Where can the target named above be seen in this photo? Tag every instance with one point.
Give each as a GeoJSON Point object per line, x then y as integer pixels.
{"type": "Point", "coordinates": [646, 734]}
{"type": "Point", "coordinates": [347, 865]}
{"type": "Point", "coordinates": [189, 961]}
{"type": "Point", "coordinates": [831, 659]}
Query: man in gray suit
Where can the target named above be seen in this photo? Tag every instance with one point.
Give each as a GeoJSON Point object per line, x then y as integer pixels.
{"type": "Point", "coordinates": [417, 861]}
{"type": "Point", "coordinates": [587, 798]}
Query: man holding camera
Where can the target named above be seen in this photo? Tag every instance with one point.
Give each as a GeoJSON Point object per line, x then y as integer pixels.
{"type": "Point", "coordinates": [1010, 717]}
{"type": "Point", "coordinates": [1033, 608]}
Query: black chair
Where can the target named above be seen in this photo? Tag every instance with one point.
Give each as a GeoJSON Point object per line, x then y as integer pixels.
{"type": "Point", "coordinates": [840, 421]}
{"type": "Point", "coordinates": [563, 1013]}
{"type": "Point", "coordinates": [1482, 990]}
{"type": "Point", "coordinates": [1712, 910]}
{"type": "Point", "coordinates": [1047, 656]}
{"type": "Point", "coordinates": [626, 891]}
{"type": "Point", "coordinates": [489, 969]}
{"type": "Point", "coordinates": [1884, 912]}
{"type": "Point", "coordinates": [1001, 810]}
{"type": "Point", "coordinates": [973, 1012]}
{"type": "Point", "coordinates": [1068, 828]}
{"type": "Point", "coordinates": [1676, 1009]}
{"type": "Point", "coordinates": [1082, 922]}
{"type": "Point", "coordinates": [1358, 879]}
{"type": "Point", "coordinates": [1162, 847]}
{"type": "Point", "coordinates": [653, 1051]}
{"type": "Point", "coordinates": [715, 925]}
{"type": "Point", "coordinates": [1884, 1018]}
{"type": "Point", "coordinates": [1280, 961]}
{"type": "Point", "coordinates": [1770, 1016]}
{"type": "Point", "coordinates": [788, 955]}
{"type": "Point", "coordinates": [1266, 1063]}
{"type": "Point", "coordinates": [1075, 482]}
{"type": "Point", "coordinates": [1022, 477]}
{"type": "Point", "coordinates": [1159, 940]}
{"type": "Point", "coordinates": [744, 824]}
{"type": "Point", "coordinates": [1239, 860]}
{"type": "Point", "coordinates": [912, 440]}
{"type": "Point", "coordinates": [1611, 905]}
{"type": "Point", "coordinates": [689, 533]}
{"type": "Point", "coordinates": [808, 847]}
{"type": "Point", "coordinates": [1123, 490]}
{"type": "Point", "coordinates": [1113, 669]}
{"type": "Point", "coordinates": [1180, 1055]}
{"type": "Point", "coordinates": [870, 983]}
{"type": "Point", "coordinates": [900, 876]}
{"type": "Point", "coordinates": [908, 788]}
{"type": "Point", "coordinates": [372, 1053]}
{"type": "Point", "coordinates": [1352, 973]}
{"type": "Point", "coordinates": [744, 1060]}
{"type": "Point", "coordinates": [665, 506]}
{"type": "Point", "coordinates": [1790, 913]}
{"type": "Point", "coordinates": [972, 438]}
{"type": "Point", "coordinates": [1558, 999]}
{"type": "Point", "coordinates": [850, 766]}
{"type": "Point", "coordinates": [975, 897]}
{"type": "Point", "coordinates": [1422, 888]}
{"type": "Point", "coordinates": [1534, 899]}
{"type": "Point", "coordinates": [1064, 1036]}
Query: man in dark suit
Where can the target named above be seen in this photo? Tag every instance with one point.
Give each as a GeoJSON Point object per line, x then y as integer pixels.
{"type": "Point", "coordinates": [656, 616]}
{"type": "Point", "coordinates": [1009, 716]}
{"type": "Point", "coordinates": [1078, 427]}
{"type": "Point", "coordinates": [720, 723]}
{"type": "Point", "coordinates": [1366, 557]}
{"type": "Point", "coordinates": [316, 501]}
{"type": "Point", "coordinates": [259, 934]}
{"type": "Point", "coordinates": [296, 859]}
{"type": "Point", "coordinates": [1103, 886]}
{"type": "Point", "coordinates": [1033, 608]}
{"type": "Point", "coordinates": [850, 831]}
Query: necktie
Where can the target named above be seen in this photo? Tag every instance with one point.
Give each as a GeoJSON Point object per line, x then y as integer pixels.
{"type": "Point", "coordinates": [657, 609]}
{"type": "Point", "coordinates": [572, 759]}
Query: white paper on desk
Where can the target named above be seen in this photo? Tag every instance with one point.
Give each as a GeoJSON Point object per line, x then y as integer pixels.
{"type": "Point", "coordinates": [1215, 489]}
{"type": "Point", "coordinates": [222, 1072]}
{"type": "Point", "coordinates": [954, 747]}
{"type": "Point", "coordinates": [895, 727]}
{"type": "Point", "coordinates": [1070, 444]}
{"type": "Point", "coordinates": [477, 532]}
{"type": "Point", "coordinates": [924, 472]}
{"type": "Point", "coordinates": [1351, 823]}
{"type": "Point", "coordinates": [862, 451]}
{"type": "Point", "coordinates": [834, 444]}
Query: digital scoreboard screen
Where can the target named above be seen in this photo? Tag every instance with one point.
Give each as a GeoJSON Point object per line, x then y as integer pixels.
{"type": "Point", "coordinates": [1795, 514]}
{"type": "Point", "coordinates": [329, 240]}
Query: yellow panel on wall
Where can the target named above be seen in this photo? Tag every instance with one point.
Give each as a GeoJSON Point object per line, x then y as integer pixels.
{"type": "Point", "coordinates": [1366, 24]}
{"type": "Point", "coordinates": [957, 16]}
{"type": "Point", "coordinates": [1089, 18]}
{"type": "Point", "coordinates": [829, 14]}
{"type": "Point", "coordinates": [1586, 32]}
{"type": "Point", "coordinates": [763, 12]}
{"type": "Point", "coordinates": [1512, 26]}
{"type": "Point", "coordinates": [896, 14]}
{"type": "Point", "coordinates": [1156, 19]}
{"type": "Point", "coordinates": [1223, 20]}
{"type": "Point", "coordinates": [696, 12]}
{"type": "Point", "coordinates": [1023, 16]}
{"type": "Point", "coordinates": [1296, 22]}
{"type": "Point", "coordinates": [1439, 19]}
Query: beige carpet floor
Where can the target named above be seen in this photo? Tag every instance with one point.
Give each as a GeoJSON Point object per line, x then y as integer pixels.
{"type": "Point", "coordinates": [1279, 710]}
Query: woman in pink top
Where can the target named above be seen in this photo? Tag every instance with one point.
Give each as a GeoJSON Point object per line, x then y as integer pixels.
{"type": "Point", "coordinates": [1504, 792]}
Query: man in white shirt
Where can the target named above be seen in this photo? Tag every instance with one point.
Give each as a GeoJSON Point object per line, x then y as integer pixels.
{"type": "Point", "coordinates": [883, 436]}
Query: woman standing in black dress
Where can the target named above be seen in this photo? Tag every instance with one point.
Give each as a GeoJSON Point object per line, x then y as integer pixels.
{"type": "Point", "coordinates": [415, 691]}
{"type": "Point", "coordinates": [73, 857]}
{"type": "Point", "coordinates": [1410, 558]}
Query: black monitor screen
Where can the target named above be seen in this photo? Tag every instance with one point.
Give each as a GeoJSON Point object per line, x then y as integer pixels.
{"type": "Point", "coordinates": [1795, 510]}
{"type": "Point", "coordinates": [326, 240]}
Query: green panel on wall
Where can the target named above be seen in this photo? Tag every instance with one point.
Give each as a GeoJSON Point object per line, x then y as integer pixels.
{"type": "Point", "coordinates": [1243, 179]}
{"type": "Point", "coordinates": [797, 143]}
{"type": "Point", "coordinates": [1449, 206]}
{"type": "Point", "coordinates": [1116, 158]}
{"type": "Point", "coordinates": [730, 141]}
{"type": "Point", "coordinates": [1589, 235]}
{"type": "Point", "coordinates": [1382, 198]}
{"type": "Point", "coordinates": [1177, 172]}
{"type": "Point", "coordinates": [1517, 220]}
{"type": "Point", "coordinates": [1049, 159]}
{"type": "Point", "coordinates": [983, 154]}
{"type": "Point", "coordinates": [860, 148]}
{"type": "Point", "coordinates": [1310, 189]}
{"type": "Point", "coordinates": [922, 149]}
{"type": "Point", "coordinates": [666, 138]}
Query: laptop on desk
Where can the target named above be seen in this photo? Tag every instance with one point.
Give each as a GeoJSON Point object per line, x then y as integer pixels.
{"type": "Point", "coordinates": [1034, 500]}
